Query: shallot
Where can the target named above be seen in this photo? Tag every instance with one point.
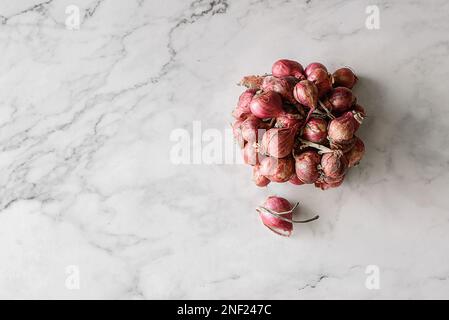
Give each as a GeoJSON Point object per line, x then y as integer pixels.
{"type": "Point", "coordinates": [288, 120]}
{"type": "Point", "coordinates": [259, 179]}
{"type": "Point", "coordinates": [313, 66]}
{"type": "Point", "coordinates": [356, 153]}
{"type": "Point", "coordinates": [344, 77]}
{"type": "Point", "coordinates": [306, 166]}
{"type": "Point", "coordinates": [266, 105]}
{"type": "Point", "coordinates": [315, 130]}
{"type": "Point", "coordinates": [285, 68]}
{"type": "Point", "coordinates": [306, 93]}
{"type": "Point", "coordinates": [242, 110]}
{"type": "Point", "coordinates": [341, 99]}
{"type": "Point", "coordinates": [250, 128]}
{"type": "Point", "coordinates": [278, 142]}
{"type": "Point", "coordinates": [277, 170]}
{"type": "Point", "coordinates": [322, 81]}
{"type": "Point", "coordinates": [334, 164]}
{"type": "Point", "coordinates": [295, 180]}
{"type": "Point", "coordinates": [276, 214]}
{"type": "Point", "coordinates": [342, 129]}
{"type": "Point", "coordinates": [250, 154]}
{"type": "Point", "coordinates": [283, 86]}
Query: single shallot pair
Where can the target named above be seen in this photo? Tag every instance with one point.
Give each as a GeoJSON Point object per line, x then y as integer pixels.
{"type": "Point", "coordinates": [298, 125]}
{"type": "Point", "coordinates": [277, 215]}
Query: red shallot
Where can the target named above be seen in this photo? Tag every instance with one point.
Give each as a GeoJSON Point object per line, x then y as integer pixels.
{"type": "Point", "coordinates": [342, 129]}
{"type": "Point", "coordinates": [242, 110]}
{"type": "Point", "coordinates": [277, 215]}
{"type": "Point", "coordinates": [356, 153]}
{"type": "Point", "coordinates": [341, 99]}
{"type": "Point", "coordinates": [250, 154]}
{"type": "Point", "coordinates": [344, 77]}
{"type": "Point", "coordinates": [266, 105]}
{"type": "Point", "coordinates": [288, 120]}
{"type": "Point", "coordinates": [259, 180]}
{"type": "Point", "coordinates": [295, 180]}
{"type": "Point", "coordinates": [286, 68]}
{"type": "Point", "coordinates": [322, 81]}
{"type": "Point", "coordinates": [334, 164]}
{"type": "Point", "coordinates": [315, 130]}
{"type": "Point", "coordinates": [283, 86]}
{"type": "Point", "coordinates": [306, 166]}
{"type": "Point", "coordinates": [313, 66]}
{"type": "Point", "coordinates": [250, 128]}
{"type": "Point", "coordinates": [277, 170]}
{"type": "Point", "coordinates": [306, 93]}
{"type": "Point", "coordinates": [278, 142]}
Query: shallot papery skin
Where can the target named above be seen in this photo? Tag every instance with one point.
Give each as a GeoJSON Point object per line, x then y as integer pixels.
{"type": "Point", "coordinates": [359, 114]}
{"type": "Point", "coordinates": [306, 93]}
{"type": "Point", "coordinates": [250, 154]}
{"type": "Point", "coordinates": [274, 223]}
{"type": "Point", "coordinates": [239, 114]}
{"type": "Point", "coordinates": [295, 180]}
{"type": "Point", "coordinates": [313, 66]}
{"type": "Point", "coordinates": [358, 108]}
{"type": "Point", "coordinates": [334, 165]}
{"type": "Point", "coordinates": [252, 82]}
{"type": "Point", "coordinates": [344, 146]}
{"type": "Point", "coordinates": [285, 68]}
{"type": "Point", "coordinates": [278, 142]}
{"type": "Point", "coordinates": [266, 105]}
{"type": "Point", "coordinates": [250, 128]}
{"type": "Point", "coordinates": [341, 99]}
{"type": "Point", "coordinates": [315, 130]}
{"type": "Point", "coordinates": [277, 170]}
{"type": "Point", "coordinates": [356, 153]}
{"type": "Point", "coordinates": [322, 81]}
{"type": "Point", "coordinates": [306, 166]}
{"type": "Point", "coordinates": [283, 86]}
{"type": "Point", "coordinates": [259, 180]}
{"type": "Point", "coordinates": [325, 183]}
{"type": "Point", "coordinates": [341, 129]}
{"type": "Point", "coordinates": [288, 120]}
{"type": "Point", "coordinates": [242, 110]}
{"type": "Point", "coordinates": [237, 132]}
{"type": "Point", "coordinates": [344, 77]}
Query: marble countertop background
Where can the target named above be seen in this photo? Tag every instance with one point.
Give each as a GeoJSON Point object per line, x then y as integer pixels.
{"type": "Point", "coordinates": [91, 205]}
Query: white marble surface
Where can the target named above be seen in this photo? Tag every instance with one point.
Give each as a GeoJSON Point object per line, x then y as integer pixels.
{"type": "Point", "coordinates": [86, 179]}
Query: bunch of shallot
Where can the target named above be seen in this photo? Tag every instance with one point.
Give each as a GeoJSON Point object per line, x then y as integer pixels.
{"type": "Point", "coordinates": [299, 125]}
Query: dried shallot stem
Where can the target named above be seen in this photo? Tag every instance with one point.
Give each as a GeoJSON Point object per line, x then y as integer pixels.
{"type": "Point", "coordinates": [358, 117]}
{"type": "Point", "coordinates": [279, 214]}
{"type": "Point", "coordinates": [322, 149]}
{"type": "Point", "coordinates": [329, 114]}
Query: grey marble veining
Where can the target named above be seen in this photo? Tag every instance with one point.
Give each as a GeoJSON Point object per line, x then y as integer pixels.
{"type": "Point", "coordinates": [86, 182]}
